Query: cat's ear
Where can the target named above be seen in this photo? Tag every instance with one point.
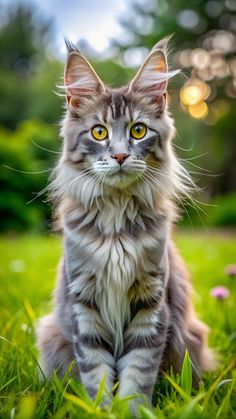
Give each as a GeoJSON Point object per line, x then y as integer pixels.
{"type": "Point", "coordinates": [152, 78]}
{"type": "Point", "coordinates": [80, 79]}
{"type": "Point", "coordinates": [163, 44]}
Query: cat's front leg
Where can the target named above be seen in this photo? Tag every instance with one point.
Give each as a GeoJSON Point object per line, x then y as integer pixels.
{"type": "Point", "coordinates": [93, 353]}
{"type": "Point", "coordinates": [145, 341]}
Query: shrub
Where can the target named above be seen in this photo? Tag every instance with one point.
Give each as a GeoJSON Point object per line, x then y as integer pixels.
{"type": "Point", "coordinates": [19, 153]}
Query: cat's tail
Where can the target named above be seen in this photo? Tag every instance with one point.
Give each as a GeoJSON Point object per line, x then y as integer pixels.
{"type": "Point", "coordinates": [56, 352]}
{"type": "Point", "coordinates": [186, 331]}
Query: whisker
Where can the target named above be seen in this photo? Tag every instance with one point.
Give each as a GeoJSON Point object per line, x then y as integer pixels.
{"type": "Point", "coordinates": [181, 148]}
{"type": "Point", "coordinates": [194, 201]}
{"type": "Point", "coordinates": [96, 179]}
{"type": "Point", "coordinates": [38, 194]}
{"type": "Point", "coordinates": [165, 174]}
{"type": "Point", "coordinates": [87, 172]}
{"type": "Point", "coordinates": [196, 208]}
{"type": "Point", "coordinates": [195, 165]}
{"type": "Point", "coordinates": [153, 182]}
{"type": "Point", "coordinates": [189, 218]}
{"type": "Point", "coordinates": [44, 190]}
{"type": "Point", "coordinates": [26, 172]}
{"type": "Point", "coordinates": [102, 187]}
{"type": "Point", "coordinates": [193, 172]}
{"type": "Point", "coordinates": [191, 201]}
{"type": "Point", "coordinates": [43, 148]}
{"type": "Point", "coordinates": [189, 186]}
{"type": "Point", "coordinates": [195, 157]}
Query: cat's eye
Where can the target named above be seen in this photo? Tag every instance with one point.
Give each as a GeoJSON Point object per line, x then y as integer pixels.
{"type": "Point", "coordinates": [138, 131]}
{"type": "Point", "coordinates": [99, 133]}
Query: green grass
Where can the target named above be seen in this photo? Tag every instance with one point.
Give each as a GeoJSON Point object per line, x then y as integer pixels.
{"type": "Point", "coordinates": [27, 272]}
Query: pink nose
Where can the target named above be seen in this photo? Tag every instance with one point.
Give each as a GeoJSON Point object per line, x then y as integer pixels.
{"type": "Point", "coordinates": [120, 157]}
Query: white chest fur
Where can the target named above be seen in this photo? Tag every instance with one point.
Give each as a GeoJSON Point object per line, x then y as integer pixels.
{"type": "Point", "coordinates": [116, 244]}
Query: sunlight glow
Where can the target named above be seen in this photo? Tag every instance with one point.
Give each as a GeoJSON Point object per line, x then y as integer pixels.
{"type": "Point", "coordinates": [193, 92]}
{"type": "Point", "coordinates": [199, 110]}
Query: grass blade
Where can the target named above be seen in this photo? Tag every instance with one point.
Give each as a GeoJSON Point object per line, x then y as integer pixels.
{"type": "Point", "coordinates": [80, 403]}
{"type": "Point", "coordinates": [101, 392]}
{"type": "Point", "coordinates": [146, 413]}
{"type": "Point", "coordinates": [186, 374]}
{"type": "Point", "coordinates": [216, 383]}
{"type": "Point", "coordinates": [29, 311]}
{"type": "Point", "coordinates": [224, 407]}
{"type": "Point", "coordinates": [9, 382]}
{"type": "Point", "coordinates": [178, 388]}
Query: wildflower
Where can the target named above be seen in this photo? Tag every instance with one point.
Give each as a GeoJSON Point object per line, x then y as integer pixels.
{"type": "Point", "coordinates": [230, 270]}
{"type": "Point", "coordinates": [220, 292]}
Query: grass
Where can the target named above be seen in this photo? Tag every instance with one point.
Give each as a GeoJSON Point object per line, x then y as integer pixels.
{"type": "Point", "coordinates": [27, 272]}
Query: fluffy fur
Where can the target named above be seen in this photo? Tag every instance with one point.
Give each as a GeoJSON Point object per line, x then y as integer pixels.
{"type": "Point", "coordinates": [123, 299]}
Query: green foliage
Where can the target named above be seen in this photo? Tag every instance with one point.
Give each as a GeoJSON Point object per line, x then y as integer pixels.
{"type": "Point", "coordinates": [223, 212]}
{"type": "Point", "coordinates": [220, 211]}
{"type": "Point", "coordinates": [20, 62]}
{"type": "Point", "coordinates": [45, 104]}
{"type": "Point", "coordinates": [163, 15]}
{"type": "Point", "coordinates": [27, 276]}
{"type": "Point", "coordinates": [24, 172]}
{"type": "Point", "coordinates": [18, 26]}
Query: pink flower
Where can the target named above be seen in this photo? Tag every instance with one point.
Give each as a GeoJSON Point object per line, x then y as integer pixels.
{"type": "Point", "coordinates": [230, 270]}
{"type": "Point", "coordinates": [220, 292]}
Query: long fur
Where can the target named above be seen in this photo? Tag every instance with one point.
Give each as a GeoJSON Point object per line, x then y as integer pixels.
{"type": "Point", "coordinates": [123, 300]}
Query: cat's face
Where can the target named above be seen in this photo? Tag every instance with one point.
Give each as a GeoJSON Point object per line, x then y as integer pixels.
{"type": "Point", "coordinates": [117, 136]}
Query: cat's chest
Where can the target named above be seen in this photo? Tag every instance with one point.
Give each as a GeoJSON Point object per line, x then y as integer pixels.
{"type": "Point", "coordinates": [117, 244]}
{"type": "Point", "coordinates": [114, 258]}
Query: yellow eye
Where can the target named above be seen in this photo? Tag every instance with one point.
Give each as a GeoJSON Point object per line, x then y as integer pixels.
{"type": "Point", "coordinates": [138, 131]}
{"type": "Point", "coordinates": [99, 133]}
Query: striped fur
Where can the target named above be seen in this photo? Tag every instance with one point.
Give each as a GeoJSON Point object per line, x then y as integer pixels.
{"type": "Point", "coordinates": [123, 300]}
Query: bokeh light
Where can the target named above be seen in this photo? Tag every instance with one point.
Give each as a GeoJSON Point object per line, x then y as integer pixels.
{"type": "Point", "coordinates": [200, 58]}
{"type": "Point", "coordinates": [198, 111]}
{"type": "Point", "coordinates": [194, 92]}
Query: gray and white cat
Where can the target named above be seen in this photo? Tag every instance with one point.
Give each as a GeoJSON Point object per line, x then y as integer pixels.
{"type": "Point", "coordinates": [123, 300]}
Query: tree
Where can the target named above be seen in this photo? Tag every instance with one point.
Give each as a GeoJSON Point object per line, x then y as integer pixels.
{"type": "Point", "coordinates": [204, 47]}
{"type": "Point", "coordinates": [27, 81]}
{"type": "Point", "coordinates": [23, 43]}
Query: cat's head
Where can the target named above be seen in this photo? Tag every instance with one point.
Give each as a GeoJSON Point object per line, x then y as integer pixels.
{"type": "Point", "coordinates": [116, 138]}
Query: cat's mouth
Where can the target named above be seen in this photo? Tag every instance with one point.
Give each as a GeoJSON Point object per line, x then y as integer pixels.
{"type": "Point", "coordinates": [120, 175]}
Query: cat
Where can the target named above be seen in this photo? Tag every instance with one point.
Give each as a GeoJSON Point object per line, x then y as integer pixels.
{"type": "Point", "coordinates": [123, 299]}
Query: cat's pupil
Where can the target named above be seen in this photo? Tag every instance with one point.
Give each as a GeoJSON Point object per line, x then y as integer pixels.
{"type": "Point", "coordinates": [100, 131]}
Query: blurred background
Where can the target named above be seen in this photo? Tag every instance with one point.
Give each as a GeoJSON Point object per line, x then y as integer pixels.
{"type": "Point", "coordinates": [116, 37]}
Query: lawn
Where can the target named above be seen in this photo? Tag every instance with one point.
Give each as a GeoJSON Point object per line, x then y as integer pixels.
{"type": "Point", "coordinates": [27, 272]}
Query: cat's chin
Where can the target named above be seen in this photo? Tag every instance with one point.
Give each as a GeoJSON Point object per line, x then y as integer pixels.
{"type": "Point", "coordinates": [121, 180]}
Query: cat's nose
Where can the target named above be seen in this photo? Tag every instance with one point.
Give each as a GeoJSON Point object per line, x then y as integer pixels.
{"type": "Point", "coordinates": [120, 157]}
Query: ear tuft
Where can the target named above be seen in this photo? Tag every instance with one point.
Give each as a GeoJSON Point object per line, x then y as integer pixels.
{"type": "Point", "coordinates": [80, 79]}
{"type": "Point", "coordinates": [163, 44]}
{"type": "Point", "coordinates": [70, 45]}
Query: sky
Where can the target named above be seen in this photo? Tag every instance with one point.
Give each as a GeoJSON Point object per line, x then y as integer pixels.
{"type": "Point", "coordinates": [96, 21]}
